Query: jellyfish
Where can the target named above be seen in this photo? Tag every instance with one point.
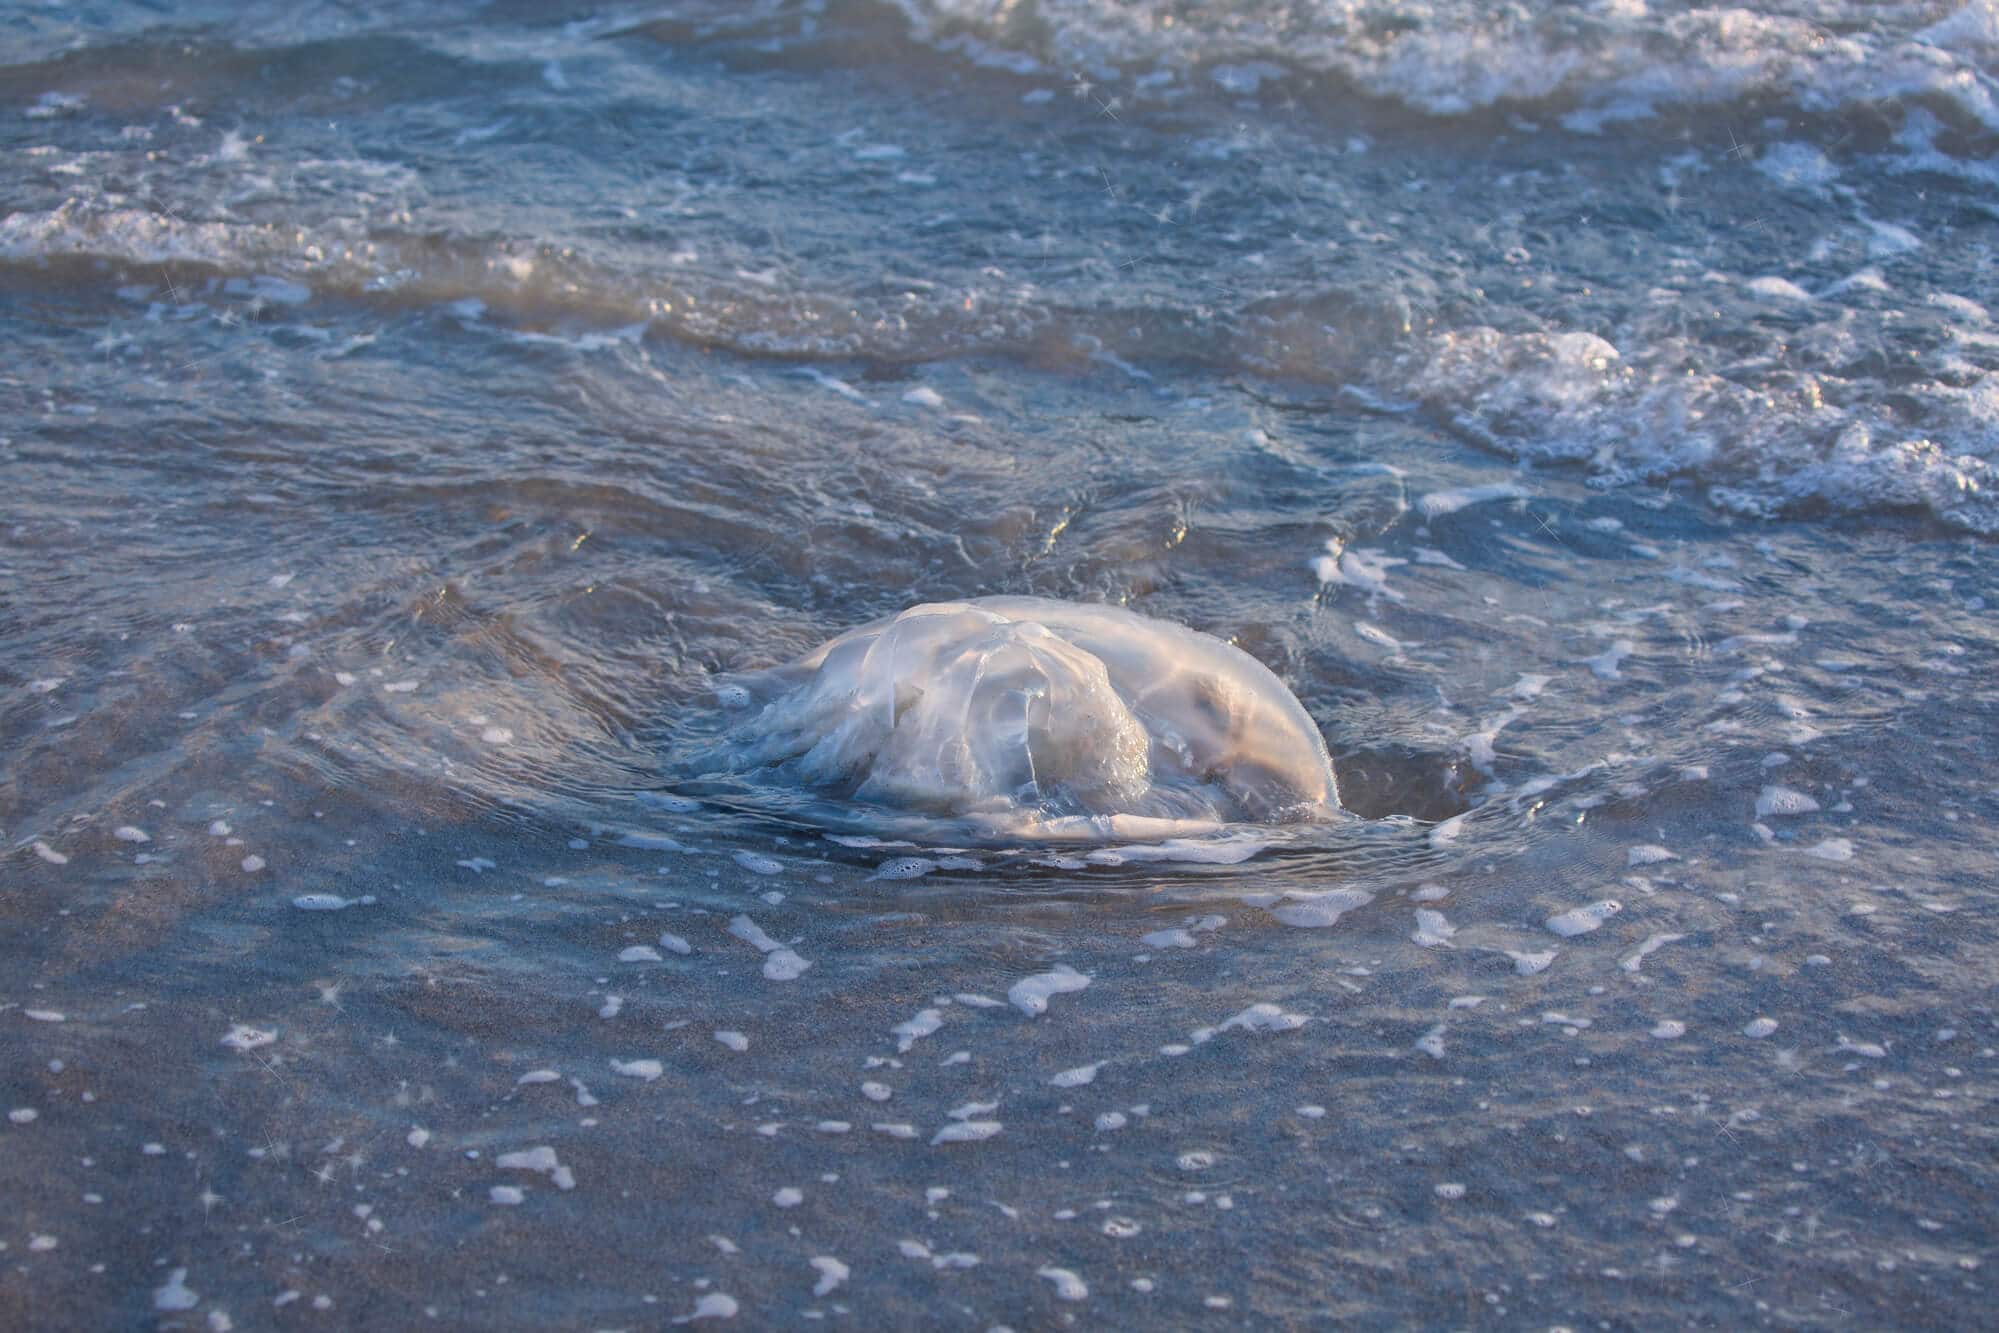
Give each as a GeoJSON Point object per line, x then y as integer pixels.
{"type": "Point", "coordinates": [1035, 718]}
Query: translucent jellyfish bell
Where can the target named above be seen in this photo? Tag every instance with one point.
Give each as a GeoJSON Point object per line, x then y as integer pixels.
{"type": "Point", "coordinates": [1032, 718]}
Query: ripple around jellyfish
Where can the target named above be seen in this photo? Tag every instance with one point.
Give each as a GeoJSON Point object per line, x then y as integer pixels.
{"type": "Point", "coordinates": [1021, 717]}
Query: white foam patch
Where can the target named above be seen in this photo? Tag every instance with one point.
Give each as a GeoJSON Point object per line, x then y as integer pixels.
{"type": "Point", "coordinates": [1527, 963]}
{"type": "Point", "coordinates": [1380, 637]}
{"type": "Point", "coordinates": [1582, 920]}
{"type": "Point", "coordinates": [1077, 1077]}
{"type": "Point", "coordinates": [1312, 911]}
{"type": "Point", "coordinates": [650, 842]}
{"type": "Point", "coordinates": [1068, 1287]}
{"type": "Point", "coordinates": [1887, 239]}
{"type": "Point", "coordinates": [1797, 166]}
{"type": "Point", "coordinates": [712, 1305]}
{"type": "Point", "coordinates": [912, 1030]}
{"type": "Point", "coordinates": [780, 963]}
{"type": "Point", "coordinates": [540, 1159]}
{"type": "Point", "coordinates": [1784, 801]}
{"type": "Point", "coordinates": [1260, 1017]}
{"type": "Point", "coordinates": [1773, 288]}
{"type": "Point", "coordinates": [645, 1070]}
{"type": "Point", "coordinates": [904, 867]}
{"type": "Point", "coordinates": [1635, 960]}
{"type": "Point", "coordinates": [330, 902]}
{"type": "Point", "coordinates": [1608, 664]}
{"type": "Point", "coordinates": [1363, 570]}
{"type": "Point", "coordinates": [832, 1274]}
{"type": "Point", "coordinates": [174, 1295]}
{"type": "Point", "coordinates": [1031, 995]}
{"type": "Point", "coordinates": [1432, 930]}
{"type": "Point", "coordinates": [1183, 937]}
{"type": "Point", "coordinates": [1222, 850]}
{"type": "Point", "coordinates": [243, 1037]}
{"type": "Point", "coordinates": [1437, 504]}
{"type": "Point", "coordinates": [966, 1131]}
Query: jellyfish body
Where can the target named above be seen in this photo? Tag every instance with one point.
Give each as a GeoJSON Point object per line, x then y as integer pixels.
{"type": "Point", "coordinates": [1038, 716]}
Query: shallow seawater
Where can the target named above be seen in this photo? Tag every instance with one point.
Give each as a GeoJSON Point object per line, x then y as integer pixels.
{"type": "Point", "coordinates": [414, 412]}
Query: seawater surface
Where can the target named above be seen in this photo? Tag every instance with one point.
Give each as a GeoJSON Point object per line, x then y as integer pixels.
{"type": "Point", "coordinates": [415, 413]}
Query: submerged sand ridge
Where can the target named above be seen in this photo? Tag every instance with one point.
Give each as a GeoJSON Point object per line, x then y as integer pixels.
{"type": "Point", "coordinates": [1031, 717]}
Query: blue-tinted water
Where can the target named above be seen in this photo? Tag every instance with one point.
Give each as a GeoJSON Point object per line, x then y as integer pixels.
{"type": "Point", "coordinates": [414, 411]}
